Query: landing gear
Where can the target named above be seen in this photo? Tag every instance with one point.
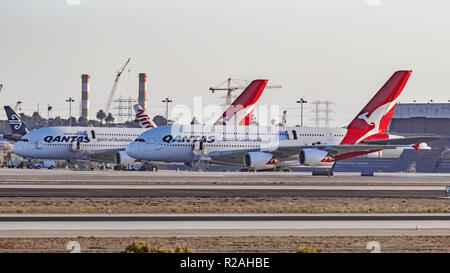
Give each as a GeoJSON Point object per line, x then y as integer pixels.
{"type": "Point", "coordinates": [281, 169]}
{"type": "Point", "coordinates": [148, 166]}
{"type": "Point", "coordinates": [322, 172]}
{"type": "Point", "coordinates": [277, 169]}
{"type": "Point", "coordinates": [71, 165]}
{"type": "Point", "coordinates": [247, 170]}
{"type": "Point", "coordinates": [118, 168]}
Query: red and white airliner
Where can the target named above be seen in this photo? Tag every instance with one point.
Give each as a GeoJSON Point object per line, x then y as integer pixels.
{"type": "Point", "coordinates": [267, 147]}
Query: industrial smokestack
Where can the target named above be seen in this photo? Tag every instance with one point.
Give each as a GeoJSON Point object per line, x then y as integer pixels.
{"type": "Point", "coordinates": [142, 100]}
{"type": "Point", "coordinates": [85, 96]}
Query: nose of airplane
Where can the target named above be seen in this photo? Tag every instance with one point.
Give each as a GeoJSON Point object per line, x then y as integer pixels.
{"type": "Point", "coordinates": [131, 150]}
{"type": "Point", "coordinates": [15, 148]}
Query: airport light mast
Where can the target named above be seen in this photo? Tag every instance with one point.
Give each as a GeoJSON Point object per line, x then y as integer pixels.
{"type": "Point", "coordinates": [167, 101]}
{"type": "Point", "coordinates": [301, 101]}
{"type": "Point", "coordinates": [70, 100]}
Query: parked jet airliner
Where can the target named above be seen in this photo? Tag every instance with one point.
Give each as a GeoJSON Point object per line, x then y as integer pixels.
{"type": "Point", "coordinates": [104, 144]}
{"type": "Point", "coordinates": [262, 147]}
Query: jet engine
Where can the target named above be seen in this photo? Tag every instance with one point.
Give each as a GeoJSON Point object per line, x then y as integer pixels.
{"type": "Point", "coordinates": [313, 157]}
{"type": "Point", "coordinates": [259, 160]}
{"type": "Point", "coordinates": [122, 158]}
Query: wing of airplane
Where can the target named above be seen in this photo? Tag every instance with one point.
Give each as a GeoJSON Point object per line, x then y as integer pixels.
{"type": "Point", "coordinates": [333, 150]}
{"type": "Point", "coordinates": [407, 140]}
{"type": "Point", "coordinates": [232, 157]}
{"type": "Point", "coordinates": [327, 152]}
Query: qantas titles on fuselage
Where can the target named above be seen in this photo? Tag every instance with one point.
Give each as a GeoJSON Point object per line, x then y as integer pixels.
{"type": "Point", "coordinates": [67, 142]}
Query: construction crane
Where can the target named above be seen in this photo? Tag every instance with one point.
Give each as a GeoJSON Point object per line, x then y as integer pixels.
{"type": "Point", "coordinates": [114, 87]}
{"type": "Point", "coordinates": [240, 84]}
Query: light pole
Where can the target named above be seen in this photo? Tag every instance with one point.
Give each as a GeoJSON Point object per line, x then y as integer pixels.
{"type": "Point", "coordinates": [167, 101]}
{"type": "Point", "coordinates": [301, 101]}
{"type": "Point", "coordinates": [49, 111]}
{"type": "Point", "coordinates": [70, 100]}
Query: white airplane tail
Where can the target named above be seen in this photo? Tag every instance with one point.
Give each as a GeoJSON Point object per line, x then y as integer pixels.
{"type": "Point", "coordinates": [142, 118]}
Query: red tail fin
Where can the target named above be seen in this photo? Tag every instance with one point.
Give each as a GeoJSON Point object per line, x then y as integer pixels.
{"type": "Point", "coordinates": [374, 118]}
{"type": "Point", "coordinates": [245, 102]}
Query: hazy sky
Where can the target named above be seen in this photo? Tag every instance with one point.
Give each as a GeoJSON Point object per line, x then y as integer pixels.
{"type": "Point", "coordinates": [342, 51]}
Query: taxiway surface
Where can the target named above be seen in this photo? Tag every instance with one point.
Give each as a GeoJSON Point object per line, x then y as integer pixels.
{"type": "Point", "coordinates": [224, 225]}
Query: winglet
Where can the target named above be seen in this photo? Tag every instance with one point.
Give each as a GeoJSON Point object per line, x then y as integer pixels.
{"type": "Point", "coordinates": [416, 146]}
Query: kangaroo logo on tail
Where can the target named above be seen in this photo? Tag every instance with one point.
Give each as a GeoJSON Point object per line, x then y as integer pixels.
{"type": "Point", "coordinates": [374, 118]}
{"type": "Point", "coordinates": [366, 118]}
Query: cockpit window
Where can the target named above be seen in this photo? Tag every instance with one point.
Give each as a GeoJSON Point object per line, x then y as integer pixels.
{"type": "Point", "coordinates": [140, 140]}
{"type": "Point", "coordinates": [24, 140]}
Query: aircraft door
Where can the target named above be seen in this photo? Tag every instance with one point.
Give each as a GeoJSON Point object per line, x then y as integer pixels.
{"type": "Point", "coordinates": [40, 144]}
{"type": "Point", "coordinates": [292, 135]}
{"type": "Point", "coordinates": [75, 146]}
{"type": "Point", "coordinates": [330, 137]}
{"type": "Point", "coordinates": [199, 147]}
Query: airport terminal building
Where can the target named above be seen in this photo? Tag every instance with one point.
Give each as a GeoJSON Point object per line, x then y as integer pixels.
{"type": "Point", "coordinates": [412, 118]}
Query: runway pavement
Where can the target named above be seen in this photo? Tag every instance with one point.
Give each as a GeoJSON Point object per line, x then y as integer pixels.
{"type": "Point", "coordinates": [224, 225]}
{"type": "Point", "coordinates": [108, 184]}
{"type": "Point", "coordinates": [221, 187]}
{"type": "Point", "coordinates": [212, 191]}
{"type": "Point", "coordinates": [24, 176]}
{"type": "Point", "coordinates": [111, 184]}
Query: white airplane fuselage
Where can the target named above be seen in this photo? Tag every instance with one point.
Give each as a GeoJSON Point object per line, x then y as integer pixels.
{"type": "Point", "coordinates": [176, 143]}
{"type": "Point", "coordinates": [74, 143]}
